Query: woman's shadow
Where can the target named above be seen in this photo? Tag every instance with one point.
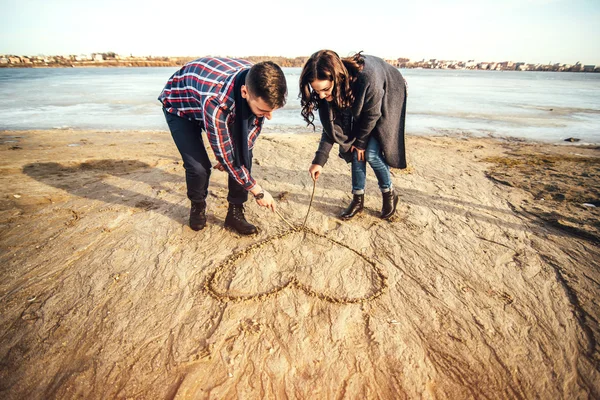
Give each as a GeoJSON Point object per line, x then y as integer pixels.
{"type": "Point", "coordinates": [87, 180]}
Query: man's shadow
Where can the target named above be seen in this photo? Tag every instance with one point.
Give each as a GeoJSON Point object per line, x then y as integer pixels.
{"type": "Point", "coordinates": [86, 180]}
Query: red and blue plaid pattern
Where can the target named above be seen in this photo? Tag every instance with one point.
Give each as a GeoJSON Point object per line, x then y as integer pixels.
{"type": "Point", "coordinates": [202, 91]}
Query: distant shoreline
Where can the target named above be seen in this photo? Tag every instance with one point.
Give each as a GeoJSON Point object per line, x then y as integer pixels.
{"type": "Point", "coordinates": [166, 65]}
{"type": "Point", "coordinates": [63, 62]}
{"type": "Point", "coordinates": [100, 64]}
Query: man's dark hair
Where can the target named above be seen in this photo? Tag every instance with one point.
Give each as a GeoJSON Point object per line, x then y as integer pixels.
{"type": "Point", "coordinates": [266, 80]}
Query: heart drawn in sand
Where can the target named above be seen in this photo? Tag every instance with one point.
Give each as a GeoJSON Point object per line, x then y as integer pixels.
{"type": "Point", "coordinates": [332, 267]}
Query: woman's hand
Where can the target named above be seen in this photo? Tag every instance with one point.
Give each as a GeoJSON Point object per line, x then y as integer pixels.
{"type": "Point", "coordinates": [360, 153]}
{"type": "Point", "coordinates": [315, 171]}
{"type": "Point", "coordinates": [219, 167]}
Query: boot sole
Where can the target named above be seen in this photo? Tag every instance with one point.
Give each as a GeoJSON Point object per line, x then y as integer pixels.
{"type": "Point", "coordinates": [232, 229]}
{"type": "Point", "coordinates": [346, 218]}
{"type": "Point", "coordinates": [349, 218]}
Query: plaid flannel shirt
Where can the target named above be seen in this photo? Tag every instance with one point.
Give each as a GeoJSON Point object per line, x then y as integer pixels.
{"type": "Point", "coordinates": [202, 91]}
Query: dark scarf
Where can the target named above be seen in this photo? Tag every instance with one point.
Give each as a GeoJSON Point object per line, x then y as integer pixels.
{"type": "Point", "coordinates": [240, 124]}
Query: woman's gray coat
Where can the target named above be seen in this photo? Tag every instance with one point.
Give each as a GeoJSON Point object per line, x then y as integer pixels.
{"type": "Point", "coordinates": [379, 109]}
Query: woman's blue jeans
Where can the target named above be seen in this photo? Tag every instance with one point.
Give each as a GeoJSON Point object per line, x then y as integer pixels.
{"type": "Point", "coordinates": [374, 157]}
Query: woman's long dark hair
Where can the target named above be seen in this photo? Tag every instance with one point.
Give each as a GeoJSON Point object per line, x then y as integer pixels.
{"type": "Point", "coordinates": [327, 65]}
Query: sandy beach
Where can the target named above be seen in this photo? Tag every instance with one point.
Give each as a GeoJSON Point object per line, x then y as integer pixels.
{"type": "Point", "coordinates": [484, 285]}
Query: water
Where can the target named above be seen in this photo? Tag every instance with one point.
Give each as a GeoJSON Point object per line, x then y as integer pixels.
{"type": "Point", "coordinates": [543, 106]}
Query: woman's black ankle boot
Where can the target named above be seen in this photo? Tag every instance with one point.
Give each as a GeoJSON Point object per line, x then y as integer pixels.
{"type": "Point", "coordinates": [356, 206]}
{"type": "Point", "coordinates": [390, 200]}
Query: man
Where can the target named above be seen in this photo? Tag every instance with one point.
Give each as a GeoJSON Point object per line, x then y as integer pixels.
{"type": "Point", "coordinates": [229, 99]}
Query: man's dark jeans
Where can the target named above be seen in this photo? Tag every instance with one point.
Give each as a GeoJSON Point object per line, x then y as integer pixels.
{"type": "Point", "coordinates": [188, 139]}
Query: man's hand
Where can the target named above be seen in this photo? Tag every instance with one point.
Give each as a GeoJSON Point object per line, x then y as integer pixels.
{"type": "Point", "coordinates": [266, 198]}
{"type": "Point", "coordinates": [315, 171]}
{"type": "Point", "coordinates": [360, 154]}
{"type": "Point", "coordinates": [219, 166]}
{"type": "Point", "coordinates": [267, 201]}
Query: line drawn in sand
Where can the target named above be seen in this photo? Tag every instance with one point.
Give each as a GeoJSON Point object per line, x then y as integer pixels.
{"type": "Point", "coordinates": [231, 262]}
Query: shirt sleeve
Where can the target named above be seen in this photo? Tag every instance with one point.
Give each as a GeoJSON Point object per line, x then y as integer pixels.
{"type": "Point", "coordinates": [219, 137]}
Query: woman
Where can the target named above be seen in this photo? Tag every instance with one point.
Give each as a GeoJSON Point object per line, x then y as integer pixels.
{"type": "Point", "coordinates": [361, 102]}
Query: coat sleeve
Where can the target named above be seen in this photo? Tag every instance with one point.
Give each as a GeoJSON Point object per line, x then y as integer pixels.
{"type": "Point", "coordinates": [326, 143]}
{"type": "Point", "coordinates": [367, 111]}
{"type": "Point", "coordinates": [322, 153]}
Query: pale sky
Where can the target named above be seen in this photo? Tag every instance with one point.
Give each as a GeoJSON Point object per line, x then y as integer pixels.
{"type": "Point", "coordinates": [533, 31]}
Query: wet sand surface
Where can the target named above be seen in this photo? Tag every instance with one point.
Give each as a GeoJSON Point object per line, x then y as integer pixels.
{"type": "Point", "coordinates": [484, 285]}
